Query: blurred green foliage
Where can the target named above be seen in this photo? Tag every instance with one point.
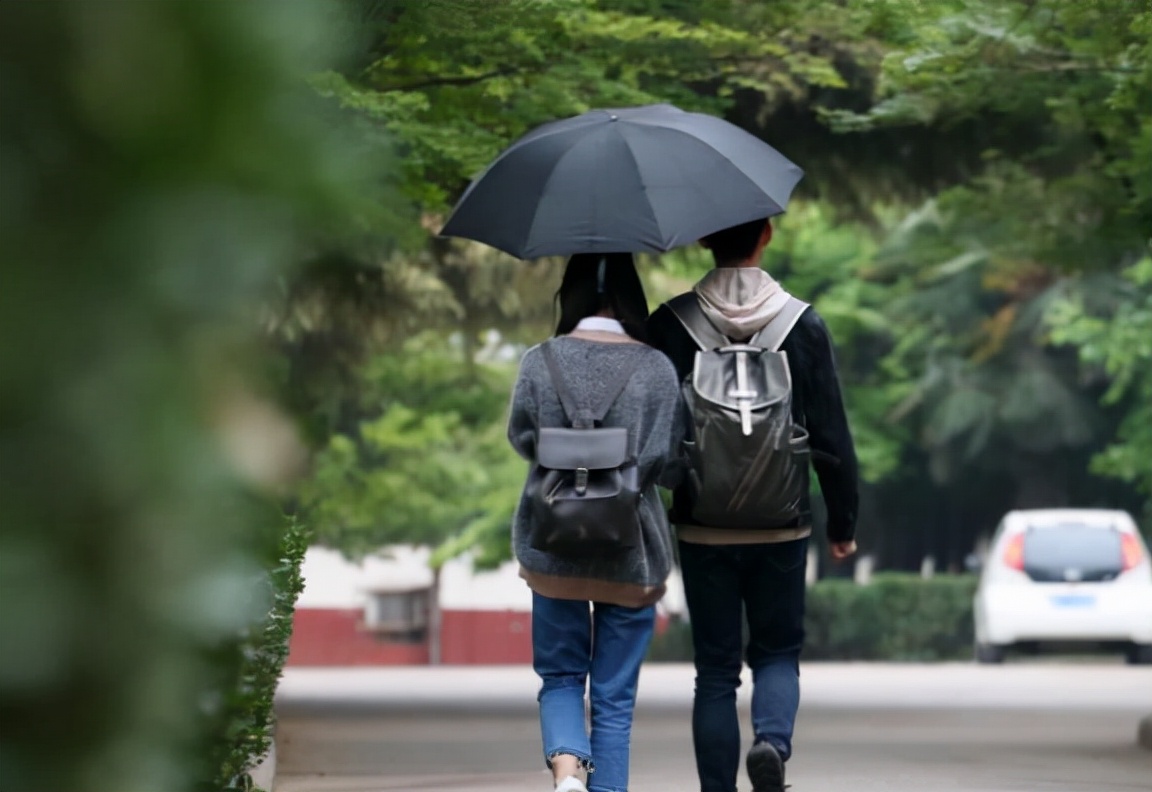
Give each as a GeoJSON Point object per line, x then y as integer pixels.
{"type": "Point", "coordinates": [456, 80]}
{"type": "Point", "coordinates": [159, 166]}
{"type": "Point", "coordinates": [430, 463]}
{"type": "Point", "coordinates": [894, 617]}
{"type": "Point", "coordinates": [1115, 338]}
{"type": "Point", "coordinates": [1000, 282]}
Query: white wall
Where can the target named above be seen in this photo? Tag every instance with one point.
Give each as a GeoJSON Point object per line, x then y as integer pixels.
{"type": "Point", "coordinates": [462, 588]}
{"type": "Point", "coordinates": [331, 581]}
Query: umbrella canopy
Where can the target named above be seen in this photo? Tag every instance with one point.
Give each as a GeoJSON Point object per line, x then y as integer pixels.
{"type": "Point", "coordinates": [631, 179]}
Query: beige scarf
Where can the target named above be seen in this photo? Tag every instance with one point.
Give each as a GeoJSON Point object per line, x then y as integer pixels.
{"type": "Point", "coordinates": [740, 300]}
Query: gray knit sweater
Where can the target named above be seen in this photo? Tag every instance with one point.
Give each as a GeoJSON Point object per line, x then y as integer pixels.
{"type": "Point", "coordinates": [650, 408]}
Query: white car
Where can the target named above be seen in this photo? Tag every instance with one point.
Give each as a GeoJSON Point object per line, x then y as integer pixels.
{"type": "Point", "coordinates": [1063, 576]}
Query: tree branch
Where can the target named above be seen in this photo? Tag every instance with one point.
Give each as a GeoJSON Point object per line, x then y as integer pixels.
{"type": "Point", "coordinates": [438, 81]}
{"type": "Point", "coordinates": [1053, 68]}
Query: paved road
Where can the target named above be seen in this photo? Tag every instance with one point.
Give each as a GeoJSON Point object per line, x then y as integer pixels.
{"type": "Point", "coordinates": [901, 728]}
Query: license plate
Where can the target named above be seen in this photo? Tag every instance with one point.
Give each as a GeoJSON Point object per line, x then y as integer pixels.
{"type": "Point", "coordinates": [1074, 600]}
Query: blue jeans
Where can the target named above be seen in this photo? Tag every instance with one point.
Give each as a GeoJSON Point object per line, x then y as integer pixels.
{"type": "Point", "coordinates": [571, 644]}
{"type": "Point", "coordinates": [722, 583]}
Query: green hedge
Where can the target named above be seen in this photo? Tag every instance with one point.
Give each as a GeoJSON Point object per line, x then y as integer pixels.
{"type": "Point", "coordinates": [895, 617]}
{"type": "Point", "coordinates": [252, 664]}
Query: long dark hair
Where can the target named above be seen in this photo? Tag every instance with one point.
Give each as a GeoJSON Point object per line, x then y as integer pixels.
{"type": "Point", "coordinates": [582, 294]}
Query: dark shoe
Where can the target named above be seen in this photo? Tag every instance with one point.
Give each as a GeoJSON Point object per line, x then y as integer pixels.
{"type": "Point", "coordinates": [765, 768]}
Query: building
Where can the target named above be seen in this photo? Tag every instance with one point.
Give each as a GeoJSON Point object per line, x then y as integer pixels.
{"type": "Point", "coordinates": [391, 609]}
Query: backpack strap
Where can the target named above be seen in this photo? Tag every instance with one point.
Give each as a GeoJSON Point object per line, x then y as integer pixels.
{"type": "Point", "coordinates": [581, 417]}
{"type": "Point", "coordinates": [686, 308]}
{"type": "Point", "coordinates": [615, 388]}
{"type": "Point", "coordinates": [772, 335]}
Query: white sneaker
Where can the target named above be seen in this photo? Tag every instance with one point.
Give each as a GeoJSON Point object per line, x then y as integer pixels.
{"type": "Point", "coordinates": [571, 784]}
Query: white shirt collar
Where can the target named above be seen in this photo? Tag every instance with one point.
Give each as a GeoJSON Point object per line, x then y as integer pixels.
{"type": "Point", "coordinates": [602, 324]}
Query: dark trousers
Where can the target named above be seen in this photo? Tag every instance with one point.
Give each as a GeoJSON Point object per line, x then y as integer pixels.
{"type": "Point", "coordinates": [722, 584]}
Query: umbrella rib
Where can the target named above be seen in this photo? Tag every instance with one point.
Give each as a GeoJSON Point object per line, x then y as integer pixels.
{"type": "Point", "coordinates": [516, 145]}
{"type": "Point", "coordinates": [724, 157]}
{"type": "Point", "coordinates": [539, 134]}
{"type": "Point", "coordinates": [736, 169]}
{"type": "Point", "coordinates": [555, 165]}
{"type": "Point", "coordinates": [640, 179]}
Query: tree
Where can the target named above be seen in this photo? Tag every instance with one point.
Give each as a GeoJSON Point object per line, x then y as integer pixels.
{"type": "Point", "coordinates": [1060, 87]}
{"type": "Point", "coordinates": [972, 165]}
{"type": "Point", "coordinates": [455, 81]}
{"type": "Point", "coordinates": [973, 276]}
{"type": "Point", "coordinates": [430, 463]}
{"type": "Point", "coordinates": [1114, 336]}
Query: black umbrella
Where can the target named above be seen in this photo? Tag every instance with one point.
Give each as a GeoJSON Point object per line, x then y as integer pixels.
{"type": "Point", "coordinates": [633, 179]}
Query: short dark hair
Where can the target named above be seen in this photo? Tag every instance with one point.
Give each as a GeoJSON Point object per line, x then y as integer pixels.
{"type": "Point", "coordinates": [737, 242]}
{"type": "Point", "coordinates": [580, 295]}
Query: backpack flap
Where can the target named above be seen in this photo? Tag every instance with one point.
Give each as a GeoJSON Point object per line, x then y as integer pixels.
{"type": "Point", "coordinates": [590, 449]}
{"type": "Point", "coordinates": [742, 378]}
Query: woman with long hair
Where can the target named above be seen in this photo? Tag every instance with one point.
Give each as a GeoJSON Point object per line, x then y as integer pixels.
{"type": "Point", "coordinates": [593, 615]}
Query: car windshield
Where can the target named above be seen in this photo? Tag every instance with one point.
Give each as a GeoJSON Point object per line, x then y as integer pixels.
{"type": "Point", "coordinates": [1072, 552]}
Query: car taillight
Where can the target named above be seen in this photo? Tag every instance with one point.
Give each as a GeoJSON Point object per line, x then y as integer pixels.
{"type": "Point", "coordinates": [1130, 551]}
{"type": "Point", "coordinates": [1014, 552]}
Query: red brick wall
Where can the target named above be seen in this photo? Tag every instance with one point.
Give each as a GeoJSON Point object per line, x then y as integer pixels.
{"type": "Point", "coordinates": [335, 637]}
{"type": "Point", "coordinates": [485, 637]}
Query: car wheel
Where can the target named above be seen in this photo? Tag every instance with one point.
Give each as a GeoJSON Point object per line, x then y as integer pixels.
{"type": "Point", "coordinates": [989, 653]}
{"type": "Point", "coordinates": [1140, 654]}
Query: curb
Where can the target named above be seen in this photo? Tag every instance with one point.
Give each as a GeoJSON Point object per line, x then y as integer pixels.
{"type": "Point", "coordinates": [1144, 733]}
{"type": "Point", "coordinates": [263, 773]}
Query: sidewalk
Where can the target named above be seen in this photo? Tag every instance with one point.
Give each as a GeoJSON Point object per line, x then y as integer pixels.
{"type": "Point", "coordinates": [668, 686]}
{"type": "Point", "coordinates": [896, 728]}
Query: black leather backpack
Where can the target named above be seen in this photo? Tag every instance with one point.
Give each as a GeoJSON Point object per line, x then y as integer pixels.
{"type": "Point", "coordinates": [584, 490]}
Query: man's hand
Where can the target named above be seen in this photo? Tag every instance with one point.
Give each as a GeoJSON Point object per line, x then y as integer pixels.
{"type": "Point", "coordinates": [841, 550]}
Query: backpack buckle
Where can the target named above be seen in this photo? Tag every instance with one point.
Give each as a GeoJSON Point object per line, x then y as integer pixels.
{"type": "Point", "coordinates": [581, 480]}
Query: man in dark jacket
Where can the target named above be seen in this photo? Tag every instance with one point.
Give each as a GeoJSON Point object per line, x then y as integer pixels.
{"type": "Point", "coordinates": [760, 572]}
